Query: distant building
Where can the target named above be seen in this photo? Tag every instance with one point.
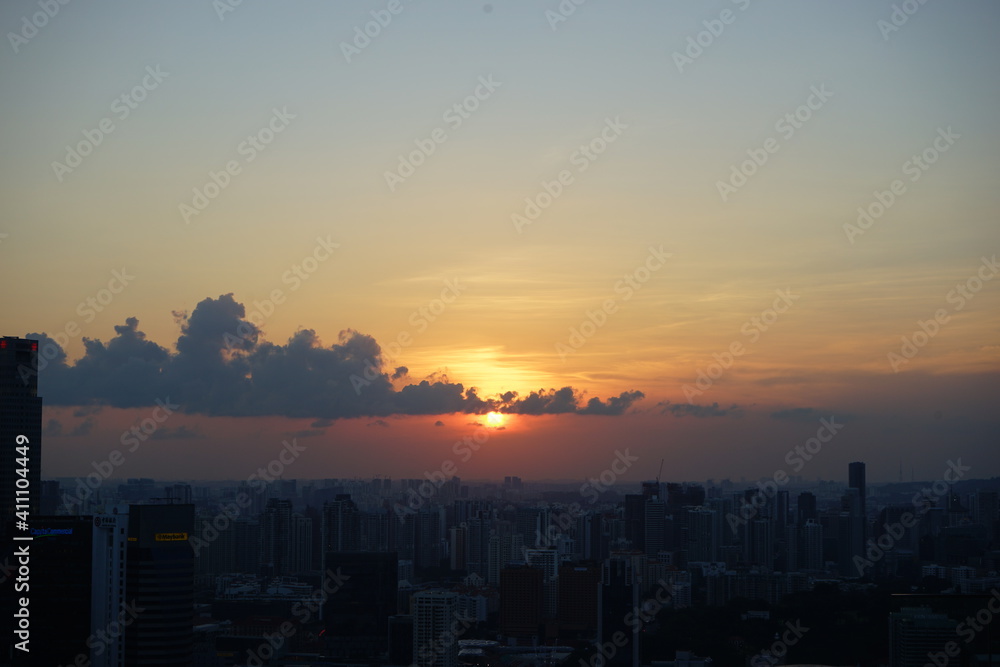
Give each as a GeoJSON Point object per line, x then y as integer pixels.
{"type": "Point", "coordinates": [357, 614]}
{"type": "Point", "coordinates": [521, 600]}
{"type": "Point", "coordinates": [143, 579]}
{"type": "Point", "coordinates": [436, 629]}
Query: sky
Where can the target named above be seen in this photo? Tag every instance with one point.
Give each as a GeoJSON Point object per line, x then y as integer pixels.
{"type": "Point", "coordinates": [699, 232]}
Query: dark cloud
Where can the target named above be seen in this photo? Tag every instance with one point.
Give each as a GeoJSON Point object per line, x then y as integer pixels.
{"type": "Point", "coordinates": [797, 415]}
{"type": "Point", "coordinates": [179, 433]}
{"type": "Point", "coordinates": [87, 410]}
{"type": "Point", "coordinates": [702, 411]}
{"type": "Point", "coordinates": [223, 366]}
{"type": "Point", "coordinates": [53, 427]}
{"type": "Point", "coordinates": [380, 422]}
{"type": "Point", "coordinates": [83, 428]}
{"type": "Point", "coordinates": [439, 423]}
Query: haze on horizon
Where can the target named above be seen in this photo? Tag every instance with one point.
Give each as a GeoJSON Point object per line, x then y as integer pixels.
{"type": "Point", "coordinates": [691, 231]}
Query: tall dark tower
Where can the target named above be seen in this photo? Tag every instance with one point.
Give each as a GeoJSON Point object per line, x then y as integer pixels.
{"type": "Point", "coordinates": [20, 426]}
{"type": "Point", "coordinates": [856, 480]}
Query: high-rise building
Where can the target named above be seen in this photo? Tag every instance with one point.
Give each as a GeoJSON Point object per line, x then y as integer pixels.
{"type": "Point", "coordinates": [143, 580]}
{"type": "Point", "coordinates": [806, 508]}
{"type": "Point", "coordinates": [20, 449]}
{"type": "Point", "coordinates": [357, 615]}
{"type": "Point", "coordinates": [341, 524]}
{"type": "Point", "coordinates": [434, 618]}
{"type": "Point", "coordinates": [20, 431]}
{"type": "Point", "coordinates": [547, 560]}
{"type": "Point", "coordinates": [276, 537]}
{"type": "Point", "coordinates": [856, 480]}
{"type": "Point", "coordinates": [521, 595]}
{"type": "Point", "coordinates": [61, 552]}
{"type": "Point", "coordinates": [578, 595]}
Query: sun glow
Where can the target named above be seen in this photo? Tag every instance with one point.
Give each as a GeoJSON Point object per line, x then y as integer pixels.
{"type": "Point", "coordinates": [495, 419]}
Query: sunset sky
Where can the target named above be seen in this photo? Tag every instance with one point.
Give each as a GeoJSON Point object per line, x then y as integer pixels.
{"type": "Point", "coordinates": [621, 199]}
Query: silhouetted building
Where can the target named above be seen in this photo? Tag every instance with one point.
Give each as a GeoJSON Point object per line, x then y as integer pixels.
{"type": "Point", "coordinates": [143, 580]}
{"type": "Point", "coordinates": [357, 614]}
{"type": "Point", "coordinates": [435, 628]}
{"type": "Point", "coordinates": [521, 599]}
{"type": "Point", "coordinates": [578, 596]}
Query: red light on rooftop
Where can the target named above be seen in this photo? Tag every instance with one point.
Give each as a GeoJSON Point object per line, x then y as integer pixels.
{"type": "Point", "coordinates": [34, 347]}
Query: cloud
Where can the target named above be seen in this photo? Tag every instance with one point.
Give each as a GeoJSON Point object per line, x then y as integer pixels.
{"type": "Point", "coordinates": [179, 433]}
{"type": "Point", "coordinates": [797, 415]}
{"type": "Point", "coordinates": [701, 411]}
{"type": "Point", "coordinates": [83, 428]}
{"type": "Point", "coordinates": [379, 422]}
{"type": "Point", "coordinates": [53, 428]}
{"type": "Point", "coordinates": [439, 423]}
{"type": "Point", "coordinates": [221, 365]}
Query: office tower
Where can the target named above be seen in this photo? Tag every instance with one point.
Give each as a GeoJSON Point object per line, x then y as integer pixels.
{"type": "Point", "coordinates": [180, 493]}
{"type": "Point", "coordinates": [591, 541]}
{"type": "Point", "coordinates": [651, 489]}
{"type": "Point", "coordinates": [276, 538]}
{"type": "Point", "coordinates": [856, 480]}
{"type": "Point", "coordinates": [143, 579]}
{"type": "Point", "coordinates": [852, 505]}
{"type": "Point", "coordinates": [428, 539]}
{"type": "Point", "coordinates": [457, 539]}
{"type": "Point", "coordinates": [619, 597]}
{"type": "Point", "coordinates": [781, 514]}
{"type": "Point", "coordinates": [20, 432]}
{"type": "Point", "coordinates": [477, 551]}
{"type": "Point", "coordinates": [635, 520]}
{"type": "Point", "coordinates": [357, 614]}
{"type": "Point", "coordinates": [521, 598]}
{"type": "Point", "coordinates": [532, 524]}
{"type": "Point", "coordinates": [811, 551]}
{"type": "Point", "coordinates": [61, 556]}
{"type": "Point", "coordinates": [341, 524]}
{"type": "Point", "coordinates": [917, 632]}
{"type": "Point", "coordinates": [703, 533]}
{"type": "Point", "coordinates": [546, 560]}
{"type": "Point", "coordinates": [654, 525]}
{"type": "Point", "coordinates": [578, 602]}
{"type": "Point", "coordinates": [434, 617]}
{"type": "Point", "coordinates": [806, 508]}
{"type": "Point", "coordinates": [505, 546]}
{"type": "Point", "coordinates": [300, 556]}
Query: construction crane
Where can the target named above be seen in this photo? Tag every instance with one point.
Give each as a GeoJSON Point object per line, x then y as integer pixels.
{"type": "Point", "coordinates": [658, 474]}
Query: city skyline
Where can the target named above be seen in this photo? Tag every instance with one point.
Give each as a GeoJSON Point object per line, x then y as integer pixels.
{"type": "Point", "coordinates": [724, 223]}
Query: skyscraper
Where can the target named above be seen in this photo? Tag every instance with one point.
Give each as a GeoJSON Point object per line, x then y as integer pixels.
{"type": "Point", "coordinates": [20, 426]}
{"type": "Point", "coordinates": [434, 622]}
{"type": "Point", "coordinates": [856, 480]}
{"type": "Point", "coordinates": [143, 581]}
{"type": "Point", "coordinates": [357, 615]}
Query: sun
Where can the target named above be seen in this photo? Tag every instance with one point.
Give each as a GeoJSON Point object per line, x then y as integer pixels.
{"type": "Point", "coordinates": [495, 419]}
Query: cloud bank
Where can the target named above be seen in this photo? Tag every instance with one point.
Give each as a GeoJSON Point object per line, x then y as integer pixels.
{"type": "Point", "coordinates": [223, 367]}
